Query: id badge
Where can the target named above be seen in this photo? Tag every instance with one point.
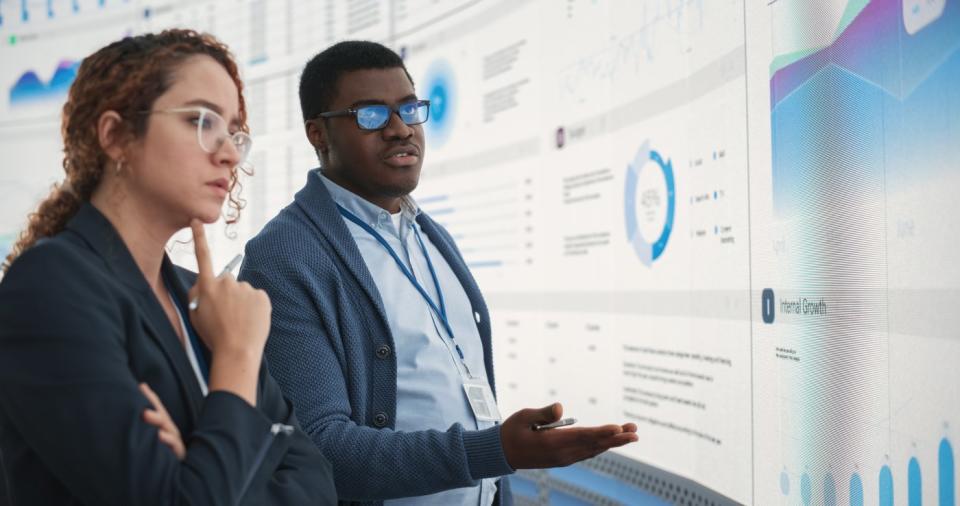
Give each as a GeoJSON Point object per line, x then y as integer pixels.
{"type": "Point", "coordinates": [481, 400]}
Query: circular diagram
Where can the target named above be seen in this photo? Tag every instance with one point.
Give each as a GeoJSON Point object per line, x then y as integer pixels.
{"type": "Point", "coordinates": [649, 203]}
{"type": "Point", "coordinates": [441, 92]}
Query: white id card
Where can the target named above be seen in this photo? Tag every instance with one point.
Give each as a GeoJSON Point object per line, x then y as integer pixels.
{"type": "Point", "coordinates": [481, 400]}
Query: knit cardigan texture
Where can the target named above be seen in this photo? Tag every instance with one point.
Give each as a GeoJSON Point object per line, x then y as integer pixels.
{"type": "Point", "coordinates": [331, 350]}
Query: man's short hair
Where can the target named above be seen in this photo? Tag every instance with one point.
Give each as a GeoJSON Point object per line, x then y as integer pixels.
{"type": "Point", "coordinates": [318, 83]}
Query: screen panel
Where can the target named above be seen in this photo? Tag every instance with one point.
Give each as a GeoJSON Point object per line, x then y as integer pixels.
{"type": "Point", "coordinates": [853, 124]}
{"type": "Point", "coordinates": [731, 223]}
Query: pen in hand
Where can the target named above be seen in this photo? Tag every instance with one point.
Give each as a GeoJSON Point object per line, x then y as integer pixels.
{"type": "Point", "coordinates": [559, 423]}
{"type": "Point", "coordinates": [231, 265]}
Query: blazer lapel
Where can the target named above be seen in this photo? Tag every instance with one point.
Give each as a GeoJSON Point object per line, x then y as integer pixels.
{"type": "Point", "coordinates": [100, 235]}
{"type": "Point", "coordinates": [318, 205]}
{"type": "Point", "coordinates": [159, 327]}
{"type": "Point", "coordinates": [180, 281]}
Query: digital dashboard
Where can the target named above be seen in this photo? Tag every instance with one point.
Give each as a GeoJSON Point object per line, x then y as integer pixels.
{"type": "Point", "coordinates": [731, 223]}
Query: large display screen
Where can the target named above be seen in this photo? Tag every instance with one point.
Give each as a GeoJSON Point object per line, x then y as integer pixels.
{"type": "Point", "coordinates": [732, 223]}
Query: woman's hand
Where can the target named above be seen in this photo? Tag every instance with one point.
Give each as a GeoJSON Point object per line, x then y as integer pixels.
{"type": "Point", "coordinates": [159, 418]}
{"type": "Point", "coordinates": [233, 319]}
{"type": "Point", "coordinates": [231, 316]}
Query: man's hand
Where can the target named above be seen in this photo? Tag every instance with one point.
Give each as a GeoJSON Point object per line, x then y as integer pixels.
{"type": "Point", "coordinates": [526, 448]}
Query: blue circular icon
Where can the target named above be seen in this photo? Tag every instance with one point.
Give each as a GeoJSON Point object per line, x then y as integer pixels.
{"type": "Point", "coordinates": [441, 93]}
{"type": "Point", "coordinates": [646, 250]}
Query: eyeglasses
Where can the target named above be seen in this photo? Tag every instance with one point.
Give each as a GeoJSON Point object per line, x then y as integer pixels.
{"type": "Point", "coordinates": [377, 116]}
{"type": "Point", "coordinates": [212, 130]}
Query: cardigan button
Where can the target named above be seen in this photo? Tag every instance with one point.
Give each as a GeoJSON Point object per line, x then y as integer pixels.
{"type": "Point", "coordinates": [383, 351]}
{"type": "Point", "coordinates": [380, 420]}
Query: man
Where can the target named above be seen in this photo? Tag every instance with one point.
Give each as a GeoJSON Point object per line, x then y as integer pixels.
{"type": "Point", "coordinates": [380, 335]}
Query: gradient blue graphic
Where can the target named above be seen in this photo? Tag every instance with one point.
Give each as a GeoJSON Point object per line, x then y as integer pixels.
{"type": "Point", "coordinates": [829, 491]}
{"type": "Point", "coordinates": [871, 115]}
{"type": "Point", "coordinates": [440, 86]}
{"type": "Point", "coordinates": [29, 88]}
{"type": "Point", "coordinates": [877, 103]}
{"type": "Point", "coordinates": [914, 483]}
{"type": "Point", "coordinates": [856, 490]}
{"type": "Point", "coordinates": [647, 251]}
{"type": "Point", "coordinates": [601, 485]}
{"type": "Point", "coordinates": [806, 489]}
{"type": "Point", "coordinates": [946, 470]}
{"type": "Point", "coordinates": [886, 486]}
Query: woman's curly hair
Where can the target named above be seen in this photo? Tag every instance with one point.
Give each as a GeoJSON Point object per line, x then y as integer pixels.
{"type": "Point", "coordinates": [126, 76]}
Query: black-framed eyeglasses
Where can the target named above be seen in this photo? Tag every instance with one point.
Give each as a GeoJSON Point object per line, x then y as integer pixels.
{"type": "Point", "coordinates": [376, 116]}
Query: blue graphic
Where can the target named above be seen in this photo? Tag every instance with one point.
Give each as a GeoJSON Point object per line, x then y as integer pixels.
{"type": "Point", "coordinates": [845, 118]}
{"type": "Point", "coordinates": [602, 485]}
{"type": "Point", "coordinates": [947, 490]}
{"type": "Point", "coordinates": [914, 483]}
{"type": "Point", "coordinates": [872, 114]}
{"type": "Point", "coordinates": [524, 488]}
{"type": "Point", "coordinates": [648, 252]}
{"type": "Point", "coordinates": [441, 92]}
{"type": "Point", "coordinates": [31, 89]}
{"type": "Point", "coordinates": [806, 489]}
{"type": "Point", "coordinates": [768, 306]}
{"type": "Point", "coordinates": [886, 486]}
{"type": "Point", "coordinates": [51, 13]}
{"type": "Point", "coordinates": [856, 490]}
{"type": "Point", "coordinates": [784, 483]}
{"type": "Point", "coordinates": [829, 491]}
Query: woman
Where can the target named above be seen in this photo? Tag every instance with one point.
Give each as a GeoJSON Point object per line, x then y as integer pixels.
{"type": "Point", "coordinates": [94, 318]}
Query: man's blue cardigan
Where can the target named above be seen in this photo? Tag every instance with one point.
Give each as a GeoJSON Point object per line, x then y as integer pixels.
{"type": "Point", "coordinates": [331, 350]}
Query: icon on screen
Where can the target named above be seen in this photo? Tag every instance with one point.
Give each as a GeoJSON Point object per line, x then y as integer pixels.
{"type": "Point", "coordinates": [767, 305]}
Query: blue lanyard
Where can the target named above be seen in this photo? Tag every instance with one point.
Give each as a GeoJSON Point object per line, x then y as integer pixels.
{"type": "Point", "coordinates": [441, 310]}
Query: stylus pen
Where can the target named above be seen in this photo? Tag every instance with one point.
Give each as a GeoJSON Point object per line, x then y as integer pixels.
{"type": "Point", "coordinates": [554, 425]}
{"type": "Point", "coordinates": [231, 265]}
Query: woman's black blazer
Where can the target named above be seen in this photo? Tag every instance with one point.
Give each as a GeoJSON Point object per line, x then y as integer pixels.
{"type": "Point", "coordinates": [79, 329]}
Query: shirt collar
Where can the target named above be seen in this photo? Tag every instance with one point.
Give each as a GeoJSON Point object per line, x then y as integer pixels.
{"type": "Point", "coordinates": [370, 213]}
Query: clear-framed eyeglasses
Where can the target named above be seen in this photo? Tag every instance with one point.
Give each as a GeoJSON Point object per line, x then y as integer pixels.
{"type": "Point", "coordinates": [212, 130]}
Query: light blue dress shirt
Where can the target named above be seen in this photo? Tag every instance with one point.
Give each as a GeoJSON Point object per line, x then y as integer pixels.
{"type": "Point", "coordinates": [430, 374]}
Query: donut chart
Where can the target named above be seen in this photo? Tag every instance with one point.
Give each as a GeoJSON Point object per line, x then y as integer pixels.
{"type": "Point", "coordinates": [647, 159]}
